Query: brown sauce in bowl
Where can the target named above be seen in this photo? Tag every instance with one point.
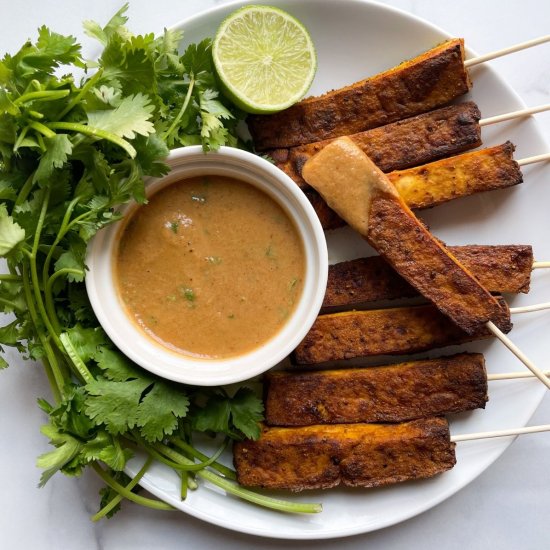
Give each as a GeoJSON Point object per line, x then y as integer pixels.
{"type": "Point", "coordinates": [211, 267]}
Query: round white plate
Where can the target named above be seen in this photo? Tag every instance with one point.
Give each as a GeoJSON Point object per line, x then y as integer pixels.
{"type": "Point", "coordinates": [355, 39]}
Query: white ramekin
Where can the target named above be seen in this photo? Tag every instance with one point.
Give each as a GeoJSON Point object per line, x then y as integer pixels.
{"type": "Point", "coordinates": [135, 344]}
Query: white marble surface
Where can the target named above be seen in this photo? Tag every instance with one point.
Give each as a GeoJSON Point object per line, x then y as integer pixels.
{"type": "Point", "coordinates": [505, 508]}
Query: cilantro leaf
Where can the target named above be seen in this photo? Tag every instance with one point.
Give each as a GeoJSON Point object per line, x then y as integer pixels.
{"type": "Point", "coordinates": [87, 342]}
{"type": "Point", "coordinates": [214, 416]}
{"type": "Point", "coordinates": [160, 409]}
{"type": "Point", "coordinates": [67, 447]}
{"type": "Point", "coordinates": [129, 118]}
{"type": "Point", "coordinates": [115, 24]}
{"type": "Point", "coordinates": [115, 404]}
{"type": "Point", "coordinates": [11, 233]}
{"type": "Point", "coordinates": [247, 412]}
{"type": "Point", "coordinates": [58, 148]}
{"type": "Point", "coordinates": [231, 415]}
{"type": "Point", "coordinates": [71, 260]}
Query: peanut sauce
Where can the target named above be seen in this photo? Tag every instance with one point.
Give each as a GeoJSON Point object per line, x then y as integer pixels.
{"type": "Point", "coordinates": [211, 267]}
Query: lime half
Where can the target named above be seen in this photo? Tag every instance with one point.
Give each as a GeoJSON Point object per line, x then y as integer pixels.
{"type": "Point", "coordinates": [264, 58]}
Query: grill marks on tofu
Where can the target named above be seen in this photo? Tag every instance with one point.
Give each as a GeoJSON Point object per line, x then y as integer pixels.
{"type": "Point", "coordinates": [500, 268]}
{"type": "Point", "coordinates": [393, 393]}
{"type": "Point", "coordinates": [390, 331]}
{"type": "Point", "coordinates": [396, 146]}
{"type": "Point", "coordinates": [430, 80]}
{"type": "Point", "coordinates": [354, 455]}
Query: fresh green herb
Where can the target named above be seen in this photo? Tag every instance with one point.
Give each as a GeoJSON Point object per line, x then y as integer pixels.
{"type": "Point", "coordinates": [188, 294]}
{"type": "Point", "coordinates": [70, 153]}
{"type": "Point", "coordinates": [270, 252]}
{"type": "Point", "coordinates": [174, 226]}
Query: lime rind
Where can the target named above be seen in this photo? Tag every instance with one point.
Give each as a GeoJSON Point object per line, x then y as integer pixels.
{"type": "Point", "coordinates": [265, 59]}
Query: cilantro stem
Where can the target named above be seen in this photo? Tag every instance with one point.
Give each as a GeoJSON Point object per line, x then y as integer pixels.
{"type": "Point", "coordinates": [59, 273]}
{"type": "Point", "coordinates": [48, 294]}
{"type": "Point", "coordinates": [46, 281]}
{"type": "Point", "coordinates": [44, 95]}
{"type": "Point", "coordinates": [42, 129]}
{"type": "Point", "coordinates": [51, 379]}
{"type": "Point", "coordinates": [93, 132]}
{"type": "Point", "coordinates": [34, 270]}
{"type": "Point", "coordinates": [57, 387]}
{"type": "Point", "coordinates": [80, 366]}
{"type": "Point", "coordinates": [151, 503]}
{"type": "Point", "coordinates": [182, 110]}
{"type": "Point", "coordinates": [9, 277]}
{"type": "Point", "coordinates": [25, 190]}
{"type": "Point", "coordinates": [20, 138]}
{"type": "Point", "coordinates": [11, 305]}
{"type": "Point", "coordinates": [184, 484]}
{"type": "Point", "coordinates": [235, 489]}
{"type": "Point", "coordinates": [178, 462]}
{"type": "Point", "coordinates": [83, 91]}
{"type": "Point", "coordinates": [227, 472]}
{"type": "Point", "coordinates": [116, 500]}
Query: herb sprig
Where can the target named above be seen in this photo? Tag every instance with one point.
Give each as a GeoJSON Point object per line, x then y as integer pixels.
{"type": "Point", "coordinates": [70, 153]}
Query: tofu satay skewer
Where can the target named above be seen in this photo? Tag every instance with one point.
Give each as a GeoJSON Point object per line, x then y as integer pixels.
{"type": "Point", "coordinates": [506, 51]}
{"type": "Point", "coordinates": [426, 82]}
{"type": "Point", "coordinates": [375, 210]}
{"type": "Point", "coordinates": [353, 455]}
{"type": "Point", "coordinates": [500, 268]}
{"type": "Point", "coordinates": [445, 180]}
{"type": "Point", "coordinates": [385, 393]}
{"type": "Point", "coordinates": [379, 332]}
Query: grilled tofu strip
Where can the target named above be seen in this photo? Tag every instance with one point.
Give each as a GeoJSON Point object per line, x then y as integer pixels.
{"type": "Point", "coordinates": [451, 178]}
{"type": "Point", "coordinates": [393, 393]}
{"type": "Point", "coordinates": [442, 181]}
{"type": "Point", "coordinates": [431, 80]}
{"type": "Point", "coordinates": [402, 144]}
{"type": "Point", "coordinates": [500, 268]}
{"type": "Point", "coordinates": [354, 455]}
{"type": "Point", "coordinates": [375, 210]}
{"type": "Point", "coordinates": [390, 331]}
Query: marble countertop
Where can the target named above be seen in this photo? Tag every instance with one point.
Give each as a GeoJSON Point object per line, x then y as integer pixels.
{"type": "Point", "coordinates": [505, 508]}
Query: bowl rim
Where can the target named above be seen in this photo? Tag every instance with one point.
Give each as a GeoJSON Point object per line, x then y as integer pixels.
{"type": "Point", "coordinates": [151, 355]}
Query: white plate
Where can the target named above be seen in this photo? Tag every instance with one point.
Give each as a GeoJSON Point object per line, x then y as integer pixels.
{"type": "Point", "coordinates": [354, 39]}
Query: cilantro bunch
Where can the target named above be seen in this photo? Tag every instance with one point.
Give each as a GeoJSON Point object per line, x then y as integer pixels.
{"type": "Point", "coordinates": [70, 153]}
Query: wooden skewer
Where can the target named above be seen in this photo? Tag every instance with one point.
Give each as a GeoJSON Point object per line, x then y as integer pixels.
{"type": "Point", "coordinates": [532, 160]}
{"type": "Point", "coordinates": [513, 375]}
{"type": "Point", "coordinates": [505, 51]}
{"type": "Point", "coordinates": [541, 375]}
{"type": "Point", "coordinates": [527, 309]}
{"type": "Point", "coordinates": [514, 114]}
{"type": "Point", "coordinates": [501, 433]}
{"type": "Point", "coordinates": [518, 353]}
{"type": "Point", "coordinates": [541, 265]}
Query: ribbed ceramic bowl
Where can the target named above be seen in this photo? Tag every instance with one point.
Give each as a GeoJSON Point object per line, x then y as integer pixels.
{"type": "Point", "coordinates": [139, 347]}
